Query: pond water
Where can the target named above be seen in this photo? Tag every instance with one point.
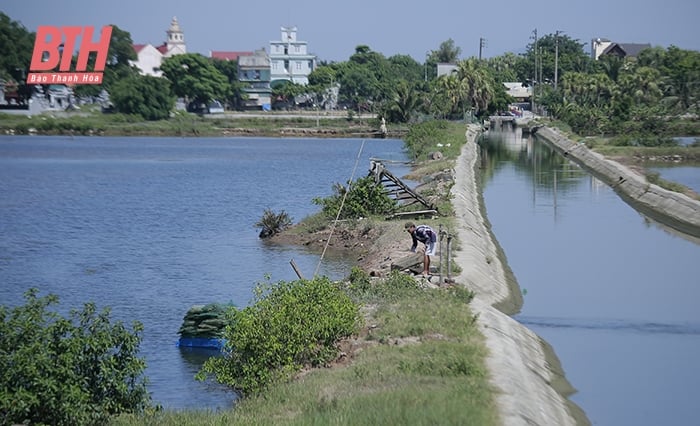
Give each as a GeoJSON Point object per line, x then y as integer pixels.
{"type": "Point", "coordinates": [152, 226]}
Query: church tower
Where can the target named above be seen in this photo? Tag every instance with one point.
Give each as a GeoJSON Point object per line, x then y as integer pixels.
{"type": "Point", "coordinates": [176, 39]}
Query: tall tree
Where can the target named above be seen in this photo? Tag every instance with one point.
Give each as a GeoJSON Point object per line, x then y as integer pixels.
{"type": "Point", "coordinates": [150, 97]}
{"type": "Point", "coordinates": [447, 53]}
{"type": "Point", "coordinates": [16, 46]}
{"type": "Point", "coordinates": [230, 70]}
{"type": "Point", "coordinates": [195, 78]}
{"type": "Point", "coordinates": [477, 85]}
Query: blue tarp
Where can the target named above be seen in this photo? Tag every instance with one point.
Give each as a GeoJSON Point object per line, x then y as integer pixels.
{"type": "Point", "coordinates": [201, 342]}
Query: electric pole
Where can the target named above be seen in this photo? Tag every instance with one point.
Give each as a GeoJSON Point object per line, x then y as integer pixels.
{"type": "Point", "coordinates": [482, 44]}
{"type": "Point", "coordinates": [556, 58]}
{"type": "Point", "coordinates": [534, 79]}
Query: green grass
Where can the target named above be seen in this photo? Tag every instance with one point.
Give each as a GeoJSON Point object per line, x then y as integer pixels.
{"type": "Point", "coordinates": [422, 362]}
{"type": "Point", "coordinates": [91, 121]}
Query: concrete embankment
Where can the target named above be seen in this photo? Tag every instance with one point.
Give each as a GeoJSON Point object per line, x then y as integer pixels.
{"type": "Point", "coordinates": [531, 389]}
{"type": "Point", "coordinates": [672, 209]}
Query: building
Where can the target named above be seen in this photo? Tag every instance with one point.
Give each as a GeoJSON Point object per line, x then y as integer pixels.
{"type": "Point", "coordinates": [445, 69]}
{"type": "Point", "coordinates": [149, 57]}
{"type": "Point", "coordinates": [601, 47]}
{"type": "Point", "coordinates": [518, 91]}
{"type": "Point", "coordinates": [254, 75]}
{"type": "Point", "coordinates": [290, 59]}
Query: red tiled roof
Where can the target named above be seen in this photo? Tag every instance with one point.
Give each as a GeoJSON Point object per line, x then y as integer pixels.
{"type": "Point", "coordinates": [163, 48]}
{"type": "Point", "coordinates": [228, 56]}
{"type": "Point", "coordinates": [138, 47]}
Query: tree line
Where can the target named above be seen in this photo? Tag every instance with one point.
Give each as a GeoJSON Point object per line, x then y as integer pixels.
{"type": "Point", "coordinates": [611, 95]}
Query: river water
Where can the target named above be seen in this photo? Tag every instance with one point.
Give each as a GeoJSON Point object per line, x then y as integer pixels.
{"type": "Point", "coordinates": [615, 294]}
{"type": "Point", "coordinates": [152, 226]}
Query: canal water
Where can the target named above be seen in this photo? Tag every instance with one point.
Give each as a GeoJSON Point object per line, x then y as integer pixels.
{"type": "Point", "coordinates": [614, 293]}
{"type": "Point", "coordinates": [152, 226]}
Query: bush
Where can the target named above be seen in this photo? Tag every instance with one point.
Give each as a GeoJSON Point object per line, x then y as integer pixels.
{"type": "Point", "coordinates": [365, 198]}
{"type": "Point", "coordinates": [273, 223]}
{"type": "Point", "coordinates": [290, 325]}
{"type": "Point", "coordinates": [55, 370]}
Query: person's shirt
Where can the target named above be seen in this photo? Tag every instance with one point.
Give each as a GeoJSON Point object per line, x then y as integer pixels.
{"type": "Point", "coordinates": [424, 234]}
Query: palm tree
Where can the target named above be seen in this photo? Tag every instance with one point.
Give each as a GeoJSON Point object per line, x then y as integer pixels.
{"type": "Point", "coordinates": [476, 84]}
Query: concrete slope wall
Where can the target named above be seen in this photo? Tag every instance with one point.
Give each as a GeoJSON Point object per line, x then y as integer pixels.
{"type": "Point", "coordinates": [670, 208]}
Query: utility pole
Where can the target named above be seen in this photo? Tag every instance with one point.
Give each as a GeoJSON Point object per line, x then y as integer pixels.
{"type": "Point", "coordinates": [556, 58]}
{"type": "Point", "coordinates": [482, 44]}
{"type": "Point", "coordinates": [534, 79]}
{"type": "Point", "coordinates": [425, 67]}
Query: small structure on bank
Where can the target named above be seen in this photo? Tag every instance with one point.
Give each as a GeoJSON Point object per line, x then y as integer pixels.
{"type": "Point", "coordinates": [400, 192]}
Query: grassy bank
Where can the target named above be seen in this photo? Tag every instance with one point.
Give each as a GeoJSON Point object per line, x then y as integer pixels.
{"type": "Point", "coordinates": [90, 121]}
{"type": "Point", "coordinates": [419, 360]}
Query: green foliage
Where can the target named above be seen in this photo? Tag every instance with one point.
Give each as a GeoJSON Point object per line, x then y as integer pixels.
{"type": "Point", "coordinates": [150, 97]}
{"type": "Point", "coordinates": [423, 137]}
{"type": "Point", "coordinates": [16, 46]}
{"type": "Point", "coordinates": [365, 198]}
{"type": "Point", "coordinates": [394, 287]}
{"type": "Point", "coordinates": [359, 280]}
{"type": "Point", "coordinates": [273, 223]}
{"type": "Point", "coordinates": [195, 77]}
{"type": "Point", "coordinates": [289, 325]}
{"type": "Point", "coordinates": [77, 370]}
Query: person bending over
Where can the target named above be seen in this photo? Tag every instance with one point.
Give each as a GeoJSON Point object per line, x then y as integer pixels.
{"type": "Point", "coordinates": [426, 235]}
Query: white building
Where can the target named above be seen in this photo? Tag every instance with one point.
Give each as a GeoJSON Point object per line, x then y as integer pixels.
{"type": "Point", "coordinates": [149, 57]}
{"type": "Point", "coordinates": [290, 58]}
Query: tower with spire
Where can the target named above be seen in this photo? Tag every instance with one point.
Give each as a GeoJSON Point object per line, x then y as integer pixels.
{"type": "Point", "coordinates": [175, 45]}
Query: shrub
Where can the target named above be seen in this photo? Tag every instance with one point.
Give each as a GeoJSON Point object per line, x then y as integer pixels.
{"type": "Point", "coordinates": [55, 370]}
{"type": "Point", "coordinates": [273, 223]}
{"type": "Point", "coordinates": [364, 198]}
{"type": "Point", "coordinates": [290, 325]}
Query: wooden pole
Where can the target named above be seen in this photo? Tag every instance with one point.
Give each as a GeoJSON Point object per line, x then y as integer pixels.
{"type": "Point", "coordinates": [296, 269]}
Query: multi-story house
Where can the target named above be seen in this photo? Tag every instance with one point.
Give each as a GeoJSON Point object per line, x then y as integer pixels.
{"type": "Point", "coordinates": [290, 59]}
{"type": "Point", "coordinates": [254, 74]}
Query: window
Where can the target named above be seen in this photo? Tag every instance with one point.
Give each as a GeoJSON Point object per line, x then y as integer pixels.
{"type": "Point", "coordinates": [298, 65]}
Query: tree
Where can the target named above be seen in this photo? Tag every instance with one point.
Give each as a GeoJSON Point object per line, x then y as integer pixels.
{"type": "Point", "coordinates": [16, 46]}
{"type": "Point", "coordinates": [77, 370]}
{"type": "Point", "coordinates": [230, 70]}
{"type": "Point", "coordinates": [195, 78]}
{"type": "Point", "coordinates": [118, 66]}
{"type": "Point", "coordinates": [150, 97]}
{"type": "Point", "coordinates": [404, 102]}
{"type": "Point", "coordinates": [447, 53]}
{"type": "Point", "coordinates": [504, 68]}
{"type": "Point", "coordinates": [286, 91]}
{"type": "Point", "coordinates": [475, 84]}
{"type": "Point", "coordinates": [404, 67]}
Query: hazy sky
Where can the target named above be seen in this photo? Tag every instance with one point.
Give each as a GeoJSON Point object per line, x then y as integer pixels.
{"type": "Point", "coordinates": [333, 28]}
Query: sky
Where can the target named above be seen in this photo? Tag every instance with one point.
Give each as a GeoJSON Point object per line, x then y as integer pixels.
{"type": "Point", "coordinates": [333, 29]}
